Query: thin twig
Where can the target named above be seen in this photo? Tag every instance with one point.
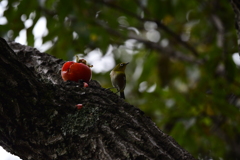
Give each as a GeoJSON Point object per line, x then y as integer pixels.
{"type": "Point", "coordinates": [170, 52]}
{"type": "Point", "coordinates": [160, 25]}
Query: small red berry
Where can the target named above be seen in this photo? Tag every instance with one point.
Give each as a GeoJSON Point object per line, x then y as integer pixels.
{"type": "Point", "coordinates": [85, 84]}
{"type": "Point", "coordinates": [79, 106]}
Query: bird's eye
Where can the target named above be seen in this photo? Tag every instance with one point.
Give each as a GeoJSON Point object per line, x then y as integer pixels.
{"type": "Point", "coordinates": [121, 64]}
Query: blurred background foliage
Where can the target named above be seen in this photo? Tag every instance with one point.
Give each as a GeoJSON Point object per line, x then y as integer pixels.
{"type": "Point", "coordinates": [181, 73]}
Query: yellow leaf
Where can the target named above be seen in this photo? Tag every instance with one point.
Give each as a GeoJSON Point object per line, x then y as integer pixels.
{"type": "Point", "coordinates": [93, 37]}
{"type": "Point", "coordinates": [209, 110]}
{"type": "Point", "coordinates": [167, 19]}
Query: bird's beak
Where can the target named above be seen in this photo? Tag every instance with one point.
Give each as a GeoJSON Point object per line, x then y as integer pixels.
{"type": "Point", "coordinates": [127, 63]}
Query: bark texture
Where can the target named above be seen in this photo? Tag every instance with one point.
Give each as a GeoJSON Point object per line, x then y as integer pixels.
{"type": "Point", "coordinates": [39, 119]}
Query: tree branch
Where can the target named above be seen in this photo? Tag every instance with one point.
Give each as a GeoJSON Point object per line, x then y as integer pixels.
{"type": "Point", "coordinates": [160, 25]}
{"type": "Point", "coordinates": [167, 50]}
{"type": "Point", "coordinates": [39, 120]}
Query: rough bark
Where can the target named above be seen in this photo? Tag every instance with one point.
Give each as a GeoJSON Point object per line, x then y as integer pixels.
{"type": "Point", "coordinates": [39, 120]}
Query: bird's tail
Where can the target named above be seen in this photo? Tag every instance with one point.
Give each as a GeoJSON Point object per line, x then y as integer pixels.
{"type": "Point", "coordinates": [122, 95]}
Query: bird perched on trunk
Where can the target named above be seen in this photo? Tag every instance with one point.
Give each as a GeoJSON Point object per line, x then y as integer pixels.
{"type": "Point", "coordinates": [118, 78]}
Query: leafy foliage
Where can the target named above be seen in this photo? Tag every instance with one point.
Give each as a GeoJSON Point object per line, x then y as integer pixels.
{"type": "Point", "coordinates": [181, 73]}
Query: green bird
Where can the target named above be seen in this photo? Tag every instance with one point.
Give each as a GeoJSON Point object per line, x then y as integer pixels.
{"type": "Point", "coordinates": [118, 78]}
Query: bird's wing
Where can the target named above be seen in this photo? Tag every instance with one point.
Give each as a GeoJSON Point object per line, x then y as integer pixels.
{"type": "Point", "coordinates": [120, 81]}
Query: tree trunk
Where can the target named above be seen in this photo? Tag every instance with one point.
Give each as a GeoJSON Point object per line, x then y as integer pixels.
{"type": "Point", "coordinates": [39, 118]}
